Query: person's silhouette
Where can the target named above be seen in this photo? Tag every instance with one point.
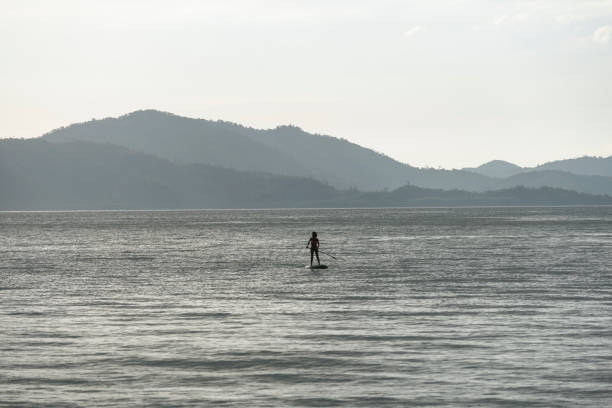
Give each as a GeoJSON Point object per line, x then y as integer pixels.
{"type": "Point", "coordinates": [313, 243]}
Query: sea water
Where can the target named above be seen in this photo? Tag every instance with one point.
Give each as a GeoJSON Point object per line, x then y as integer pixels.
{"type": "Point", "coordinates": [423, 307]}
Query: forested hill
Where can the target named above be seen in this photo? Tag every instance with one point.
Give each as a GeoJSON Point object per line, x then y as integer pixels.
{"type": "Point", "coordinates": [497, 169]}
{"type": "Point", "coordinates": [35, 174]}
{"type": "Point", "coordinates": [592, 166]}
{"type": "Point", "coordinates": [585, 166]}
{"type": "Point", "coordinates": [38, 175]}
{"type": "Point", "coordinates": [286, 150]}
{"type": "Point", "coordinates": [290, 151]}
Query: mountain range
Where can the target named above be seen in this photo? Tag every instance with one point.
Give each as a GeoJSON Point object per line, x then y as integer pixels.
{"type": "Point", "coordinates": [152, 159]}
{"type": "Point", "coordinates": [290, 151]}
{"type": "Point", "coordinates": [39, 175]}
{"type": "Point", "coordinates": [588, 166]}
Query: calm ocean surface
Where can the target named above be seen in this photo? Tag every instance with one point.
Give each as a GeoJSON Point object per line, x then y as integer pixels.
{"type": "Point", "coordinates": [424, 307]}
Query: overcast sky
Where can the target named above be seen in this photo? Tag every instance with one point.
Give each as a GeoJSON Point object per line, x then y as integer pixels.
{"type": "Point", "coordinates": [445, 83]}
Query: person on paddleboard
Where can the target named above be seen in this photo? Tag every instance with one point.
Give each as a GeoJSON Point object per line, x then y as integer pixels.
{"type": "Point", "coordinates": [313, 243]}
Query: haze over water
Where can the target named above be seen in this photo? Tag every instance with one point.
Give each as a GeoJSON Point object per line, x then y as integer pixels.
{"type": "Point", "coordinates": [424, 307]}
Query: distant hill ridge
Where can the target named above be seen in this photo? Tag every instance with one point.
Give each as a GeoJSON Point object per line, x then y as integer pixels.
{"type": "Point", "coordinates": [290, 151]}
{"type": "Point", "coordinates": [80, 175]}
{"type": "Point", "coordinates": [497, 169]}
{"type": "Point", "coordinates": [586, 165]}
{"type": "Point", "coordinates": [285, 150]}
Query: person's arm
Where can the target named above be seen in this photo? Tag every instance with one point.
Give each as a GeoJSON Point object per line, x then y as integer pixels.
{"type": "Point", "coordinates": [308, 243]}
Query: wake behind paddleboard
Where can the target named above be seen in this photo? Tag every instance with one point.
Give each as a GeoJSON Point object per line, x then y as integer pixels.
{"type": "Point", "coordinates": [316, 267]}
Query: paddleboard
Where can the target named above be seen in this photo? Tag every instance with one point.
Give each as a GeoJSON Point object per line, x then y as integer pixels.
{"type": "Point", "coordinates": [316, 266]}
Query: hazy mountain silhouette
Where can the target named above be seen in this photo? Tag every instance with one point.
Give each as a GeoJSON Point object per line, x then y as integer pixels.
{"type": "Point", "coordinates": [336, 161]}
{"type": "Point", "coordinates": [285, 150]}
{"type": "Point", "coordinates": [559, 179]}
{"type": "Point", "coordinates": [182, 140]}
{"type": "Point", "coordinates": [39, 175]}
{"type": "Point", "coordinates": [593, 166]}
{"type": "Point", "coordinates": [588, 166]}
{"type": "Point", "coordinates": [579, 175]}
{"type": "Point", "coordinates": [35, 174]}
{"type": "Point", "coordinates": [412, 196]}
{"type": "Point", "coordinates": [497, 169]}
{"type": "Point", "coordinates": [290, 151]}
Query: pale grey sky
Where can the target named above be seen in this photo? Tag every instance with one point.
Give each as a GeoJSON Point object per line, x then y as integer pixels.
{"type": "Point", "coordinates": [448, 83]}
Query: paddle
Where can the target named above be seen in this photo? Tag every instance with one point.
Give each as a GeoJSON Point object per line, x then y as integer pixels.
{"type": "Point", "coordinates": [328, 254]}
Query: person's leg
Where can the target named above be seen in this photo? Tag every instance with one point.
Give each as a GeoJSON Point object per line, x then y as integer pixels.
{"type": "Point", "coordinates": [311, 254]}
{"type": "Point", "coordinates": [319, 262]}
